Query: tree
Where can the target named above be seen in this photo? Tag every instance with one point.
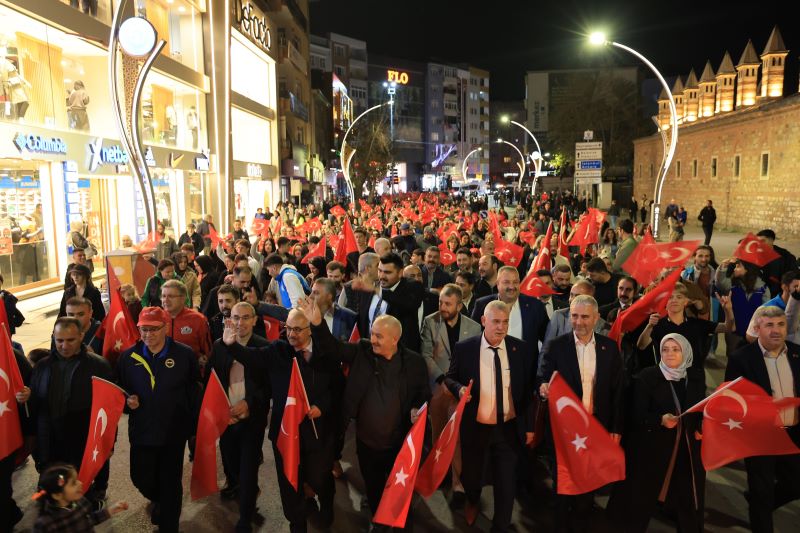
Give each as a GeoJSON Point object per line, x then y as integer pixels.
{"type": "Point", "coordinates": [605, 104]}
{"type": "Point", "coordinates": [374, 155]}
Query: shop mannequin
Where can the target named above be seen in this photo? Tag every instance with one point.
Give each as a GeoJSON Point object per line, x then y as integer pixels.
{"type": "Point", "coordinates": [87, 6]}
{"type": "Point", "coordinates": [14, 89]}
{"type": "Point", "coordinates": [77, 101]}
{"type": "Point", "coordinates": [171, 127]}
{"type": "Point", "coordinates": [192, 125]}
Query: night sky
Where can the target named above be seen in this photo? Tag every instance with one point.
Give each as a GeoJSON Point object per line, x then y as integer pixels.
{"type": "Point", "coordinates": [515, 36]}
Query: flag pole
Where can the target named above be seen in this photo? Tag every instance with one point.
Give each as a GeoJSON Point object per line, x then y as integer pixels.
{"type": "Point", "coordinates": [305, 395]}
{"type": "Point", "coordinates": [712, 395]}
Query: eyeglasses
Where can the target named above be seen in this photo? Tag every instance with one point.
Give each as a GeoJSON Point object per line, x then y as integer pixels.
{"type": "Point", "coordinates": [149, 331]}
{"type": "Point", "coordinates": [295, 330]}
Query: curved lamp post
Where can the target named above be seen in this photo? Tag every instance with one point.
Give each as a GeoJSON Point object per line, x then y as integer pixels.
{"type": "Point", "coordinates": [346, 166]}
{"type": "Point", "coordinates": [464, 163]}
{"type": "Point", "coordinates": [598, 39]}
{"type": "Point", "coordinates": [536, 156]}
{"type": "Point", "coordinates": [521, 166]}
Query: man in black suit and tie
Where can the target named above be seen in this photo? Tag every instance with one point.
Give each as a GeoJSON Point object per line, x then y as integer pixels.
{"type": "Point", "coordinates": [433, 277]}
{"type": "Point", "coordinates": [497, 421]}
{"type": "Point", "coordinates": [773, 364]}
{"type": "Point", "coordinates": [528, 317]}
{"type": "Point", "coordinates": [393, 296]}
{"type": "Point", "coordinates": [592, 366]}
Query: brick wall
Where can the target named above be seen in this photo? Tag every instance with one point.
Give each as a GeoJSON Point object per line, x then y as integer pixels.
{"type": "Point", "coordinates": [744, 203]}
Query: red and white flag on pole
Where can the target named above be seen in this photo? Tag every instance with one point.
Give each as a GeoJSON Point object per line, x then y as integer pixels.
{"type": "Point", "coordinates": [752, 250]}
{"type": "Point", "coordinates": [215, 414]}
{"type": "Point", "coordinates": [587, 456]}
{"type": "Point", "coordinates": [119, 331]}
{"type": "Point", "coordinates": [543, 260]}
{"type": "Point", "coordinates": [294, 412]}
{"type": "Point", "coordinates": [355, 335]}
{"type": "Point", "coordinates": [654, 301]}
{"type": "Point", "coordinates": [741, 420]}
{"type": "Point", "coordinates": [436, 465]}
{"type": "Point", "coordinates": [10, 384]}
{"type": "Point", "coordinates": [396, 499]}
{"type": "Point", "coordinates": [318, 251]}
{"type": "Point", "coordinates": [108, 401]}
{"type": "Point", "coordinates": [648, 259]}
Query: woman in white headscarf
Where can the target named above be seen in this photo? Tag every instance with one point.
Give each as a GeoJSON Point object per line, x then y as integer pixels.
{"type": "Point", "coordinates": [661, 447]}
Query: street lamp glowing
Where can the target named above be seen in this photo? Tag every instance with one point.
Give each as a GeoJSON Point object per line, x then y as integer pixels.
{"type": "Point", "coordinates": [597, 38]}
{"type": "Point", "coordinates": [504, 119]}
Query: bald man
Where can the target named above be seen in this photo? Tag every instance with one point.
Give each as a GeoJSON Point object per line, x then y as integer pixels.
{"type": "Point", "coordinates": [386, 386]}
{"type": "Point", "coordinates": [324, 384]}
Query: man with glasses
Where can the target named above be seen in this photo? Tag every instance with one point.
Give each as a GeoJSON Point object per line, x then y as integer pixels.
{"type": "Point", "coordinates": [162, 378]}
{"type": "Point", "coordinates": [240, 445]}
{"type": "Point", "coordinates": [185, 325]}
{"type": "Point", "coordinates": [324, 384]}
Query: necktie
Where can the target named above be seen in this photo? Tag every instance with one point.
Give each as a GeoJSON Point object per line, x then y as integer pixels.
{"type": "Point", "coordinates": [498, 385]}
{"type": "Point", "coordinates": [377, 311]}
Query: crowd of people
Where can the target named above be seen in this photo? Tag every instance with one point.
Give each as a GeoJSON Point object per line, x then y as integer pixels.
{"type": "Point", "coordinates": [427, 289]}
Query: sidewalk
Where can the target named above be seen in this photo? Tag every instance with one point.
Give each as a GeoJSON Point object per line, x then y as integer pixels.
{"type": "Point", "coordinates": [40, 314]}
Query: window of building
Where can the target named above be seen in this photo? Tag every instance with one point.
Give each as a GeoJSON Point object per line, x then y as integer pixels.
{"type": "Point", "coordinates": [339, 70]}
{"type": "Point", "coordinates": [435, 136]}
{"type": "Point", "coordinates": [338, 50]}
{"type": "Point", "coordinates": [506, 159]}
{"type": "Point", "coordinates": [677, 169]}
{"type": "Point", "coordinates": [713, 167]}
{"type": "Point", "coordinates": [251, 71]}
{"type": "Point", "coordinates": [179, 23]}
{"type": "Point", "coordinates": [651, 170]}
{"type": "Point", "coordinates": [694, 168]}
{"type": "Point", "coordinates": [173, 113]}
{"type": "Point", "coordinates": [737, 162]}
{"type": "Point", "coordinates": [250, 136]}
{"type": "Point", "coordinates": [765, 164]}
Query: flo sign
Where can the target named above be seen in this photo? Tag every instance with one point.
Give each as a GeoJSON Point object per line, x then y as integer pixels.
{"type": "Point", "coordinates": [252, 22]}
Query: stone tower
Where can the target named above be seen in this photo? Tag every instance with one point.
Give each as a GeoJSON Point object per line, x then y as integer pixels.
{"type": "Point", "coordinates": [690, 99]}
{"type": "Point", "coordinates": [773, 63]}
{"type": "Point", "coordinates": [708, 92]}
{"type": "Point", "coordinates": [726, 85]}
{"type": "Point", "coordinates": [663, 110]}
{"type": "Point", "coordinates": [677, 94]}
{"type": "Point", "coordinates": [747, 77]}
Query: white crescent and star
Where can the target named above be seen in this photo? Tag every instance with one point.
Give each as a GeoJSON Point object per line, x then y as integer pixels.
{"type": "Point", "coordinates": [731, 423]}
{"type": "Point", "coordinates": [101, 417]}
{"type": "Point", "coordinates": [4, 405]}
{"type": "Point", "coordinates": [290, 400]}
{"type": "Point", "coordinates": [747, 249]}
{"type": "Point", "coordinates": [673, 257]}
{"type": "Point", "coordinates": [564, 402]}
{"type": "Point", "coordinates": [579, 442]}
{"type": "Point", "coordinates": [400, 477]}
{"type": "Point", "coordinates": [410, 442]}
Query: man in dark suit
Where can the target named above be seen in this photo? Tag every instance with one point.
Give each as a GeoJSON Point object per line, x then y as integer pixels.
{"type": "Point", "coordinates": [528, 317]}
{"type": "Point", "coordinates": [386, 386]}
{"type": "Point", "coordinates": [488, 267]}
{"type": "Point", "coordinates": [497, 421]}
{"type": "Point", "coordinates": [324, 383]}
{"type": "Point", "coordinates": [433, 277]}
{"type": "Point", "coordinates": [627, 290]}
{"type": "Point", "coordinates": [466, 281]}
{"type": "Point", "coordinates": [393, 296]}
{"type": "Point", "coordinates": [430, 298]}
{"type": "Point", "coordinates": [341, 320]}
{"type": "Point", "coordinates": [773, 364]}
{"type": "Point", "coordinates": [592, 366]}
{"type": "Point", "coordinates": [240, 445]}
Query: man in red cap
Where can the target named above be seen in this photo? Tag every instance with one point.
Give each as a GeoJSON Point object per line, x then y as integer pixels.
{"type": "Point", "coordinates": [162, 378]}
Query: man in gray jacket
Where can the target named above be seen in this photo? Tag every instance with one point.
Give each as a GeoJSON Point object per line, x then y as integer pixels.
{"type": "Point", "coordinates": [440, 333]}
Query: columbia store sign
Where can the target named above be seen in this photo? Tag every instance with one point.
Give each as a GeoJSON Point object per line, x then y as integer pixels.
{"type": "Point", "coordinates": [38, 144]}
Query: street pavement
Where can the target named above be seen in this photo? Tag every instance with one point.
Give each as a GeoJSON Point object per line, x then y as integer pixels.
{"type": "Point", "coordinates": [726, 508]}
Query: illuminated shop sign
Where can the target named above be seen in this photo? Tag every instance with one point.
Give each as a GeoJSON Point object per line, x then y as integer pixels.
{"type": "Point", "coordinates": [108, 155]}
{"type": "Point", "coordinates": [397, 76]}
{"type": "Point", "coordinates": [252, 22]}
{"type": "Point", "coordinates": [38, 144]}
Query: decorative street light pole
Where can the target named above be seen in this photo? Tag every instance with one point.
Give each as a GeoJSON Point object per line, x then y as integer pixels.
{"type": "Point", "coordinates": [599, 38]}
{"type": "Point", "coordinates": [346, 166]}
{"type": "Point", "coordinates": [464, 163]}
{"type": "Point", "coordinates": [536, 156]}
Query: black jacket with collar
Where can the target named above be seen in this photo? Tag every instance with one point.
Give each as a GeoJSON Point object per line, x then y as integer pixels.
{"type": "Point", "coordinates": [402, 303]}
{"type": "Point", "coordinates": [748, 362]}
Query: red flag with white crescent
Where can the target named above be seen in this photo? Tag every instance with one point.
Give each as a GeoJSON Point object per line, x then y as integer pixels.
{"type": "Point", "coordinates": [754, 251]}
{"type": "Point", "coordinates": [563, 248]}
{"type": "Point", "coordinates": [318, 251]}
{"type": "Point", "coordinates": [350, 244]}
{"type": "Point", "coordinates": [10, 384]}
{"type": "Point", "coordinates": [446, 257]}
{"type": "Point", "coordinates": [119, 331]}
{"type": "Point", "coordinates": [741, 420]}
{"type": "Point", "coordinates": [108, 401]}
{"type": "Point", "coordinates": [272, 328]}
{"type": "Point", "coordinates": [648, 259]}
{"type": "Point", "coordinates": [508, 253]}
{"type": "Point", "coordinates": [533, 285]}
{"type": "Point", "coordinates": [434, 469]}
{"type": "Point", "coordinates": [294, 411]}
{"type": "Point", "coordinates": [338, 211]}
{"type": "Point", "coordinates": [396, 499]}
{"type": "Point", "coordinates": [215, 413]}
{"type": "Point", "coordinates": [654, 301]}
{"type": "Point", "coordinates": [260, 226]}
{"type": "Point", "coordinates": [543, 260]}
{"type": "Point", "coordinates": [587, 456]}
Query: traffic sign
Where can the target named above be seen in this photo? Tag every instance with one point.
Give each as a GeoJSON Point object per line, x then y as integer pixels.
{"type": "Point", "coordinates": [598, 145]}
{"type": "Point", "coordinates": [590, 164]}
{"type": "Point", "coordinates": [588, 181]}
{"type": "Point", "coordinates": [588, 154]}
{"type": "Point", "coordinates": [588, 173]}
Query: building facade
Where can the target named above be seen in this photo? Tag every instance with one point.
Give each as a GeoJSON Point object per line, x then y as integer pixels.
{"type": "Point", "coordinates": [349, 61]}
{"type": "Point", "coordinates": [741, 152]}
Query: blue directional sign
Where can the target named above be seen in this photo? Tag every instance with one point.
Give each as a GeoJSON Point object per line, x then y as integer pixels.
{"type": "Point", "coordinates": [590, 164]}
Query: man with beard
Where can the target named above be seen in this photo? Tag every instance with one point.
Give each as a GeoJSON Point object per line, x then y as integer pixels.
{"type": "Point", "coordinates": [227, 297]}
{"type": "Point", "coordinates": [488, 266]}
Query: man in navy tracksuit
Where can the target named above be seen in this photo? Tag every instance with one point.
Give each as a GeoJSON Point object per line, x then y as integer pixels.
{"type": "Point", "coordinates": [162, 378]}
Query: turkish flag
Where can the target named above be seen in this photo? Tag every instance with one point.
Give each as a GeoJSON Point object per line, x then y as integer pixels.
{"type": "Point", "coordinates": [741, 420]}
{"type": "Point", "coordinates": [528, 237]}
{"type": "Point", "coordinates": [494, 227]}
{"type": "Point", "coordinates": [587, 457]}
{"type": "Point", "coordinates": [260, 226]}
{"type": "Point", "coordinates": [10, 384]}
{"type": "Point", "coordinates": [118, 329]}
{"type": "Point", "coordinates": [599, 216]}
{"type": "Point", "coordinates": [399, 488]}
{"type": "Point", "coordinates": [349, 237]}
{"type": "Point", "coordinates": [214, 237]}
{"type": "Point", "coordinates": [650, 258]}
{"type": "Point", "coordinates": [586, 232]}
{"type": "Point", "coordinates": [654, 301]}
{"type": "Point", "coordinates": [272, 327]}
{"type": "Point", "coordinates": [3, 316]}
{"type": "Point", "coordinates": [375, 223]}
{"type": "Point", "coordinates": [543, 260]}
{"type": "Point", "coordinates": [533, 285]}
{"type": "Point", "coordinates": [338, 211]}
{"type": "Point", "coordinates": [355, 336]}
{"type": "Point", "coordinates": [340, 251]}
{"type": "Point", "coordinates": [108, 401]}
{"type": "Point", "coordinates": [508, 253]}
{"type": "Point", "coordinates": [313, 225]}
{"type": "Point", "coordinates": [563, 248]}
{"type": "Point", "coordinates": [215, 413]}
{"type": "Point", "coordinates": [317, 251]}
{"type": "Point", "coordinates": [149, 243]}
{"type": "Point", "coordinates": [294, 412]}
{"type": "Point", "coordinates": [754, 251]}
{"type": "Point", "coordinates": [436, 465]}
{"type": "Point", "coordinates": [446, 257]}
{"type": "Point", "coordinates": [371, 242]}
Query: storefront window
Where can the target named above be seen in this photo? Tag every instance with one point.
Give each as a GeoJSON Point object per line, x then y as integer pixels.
{"type": "Point", "coordinates": [52, 79]}
{"type": "Point", "coordinates": [24, 243]}
{"type": "Point", "coordinates": [173, 114]}
{"type": "Point", "coordinates": [99, 9]}
{"type": "Point", "coordinates": [252, 71]}
{"type": "Point", "coordinates": [179, 23]}
{"type": "Point", "coordinates": [251, 137]}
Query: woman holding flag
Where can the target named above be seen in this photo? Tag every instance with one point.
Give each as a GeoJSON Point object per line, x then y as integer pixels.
{"type": "Point", "coordinates": [662, 448]}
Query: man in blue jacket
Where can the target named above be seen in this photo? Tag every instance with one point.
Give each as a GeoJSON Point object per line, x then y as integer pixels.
{"type": "Point", "coordinates": [162, 378]}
